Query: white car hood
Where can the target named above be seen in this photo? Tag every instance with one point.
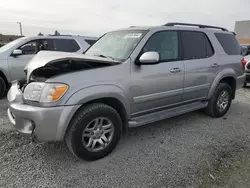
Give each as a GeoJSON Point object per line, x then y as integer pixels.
{"type": "Point", "coordinates": [45, 57]}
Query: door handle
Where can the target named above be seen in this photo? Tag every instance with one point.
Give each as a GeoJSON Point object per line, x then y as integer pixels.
{"type": "Point", "coordinates": [175, 70]}
{"type": "Point", "coordinates": [215, 65]}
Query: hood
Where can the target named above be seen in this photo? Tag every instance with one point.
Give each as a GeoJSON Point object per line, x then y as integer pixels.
{"type": "Point", "coordinates": [48, 58]}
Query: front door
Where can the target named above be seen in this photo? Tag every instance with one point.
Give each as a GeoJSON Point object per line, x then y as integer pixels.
{"type": "Point", "coordinates": [201, 66]}
{"type": "Point", "coordinates": [29, 49]}
{"type": "Point", "coordinates": [17, 64]}
{"type": "Point", "coordinates": [158, 86]}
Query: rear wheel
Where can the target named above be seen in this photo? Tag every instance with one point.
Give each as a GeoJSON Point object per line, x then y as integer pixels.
{"type": "Point", "coordinates": [219, 104]}
{"type": "Point", "coordinates": [2, 87]}
{"type": "Point", "coordinates": [94, 131]}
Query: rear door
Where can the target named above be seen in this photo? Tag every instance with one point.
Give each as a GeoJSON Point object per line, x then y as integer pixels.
{"type": "Point", "coordinates": [201, 65]}
{"type": "Point", "coordinates": [29, 49]}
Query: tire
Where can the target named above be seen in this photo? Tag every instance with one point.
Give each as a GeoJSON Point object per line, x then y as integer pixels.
{"type": "Point", "coordinates": [212, 108]}
{"type": "Point", "coordinates": [2, 87]}
{"type": "Point", "coordinates": [80, 123]}
{"type": "Point", "coordinates": [245, 85]}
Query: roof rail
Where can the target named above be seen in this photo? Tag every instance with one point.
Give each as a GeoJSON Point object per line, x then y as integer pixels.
{"type": "Point", "coordinates": [197, 25]}
{"type": "Point", "coordinates": [60, 35]}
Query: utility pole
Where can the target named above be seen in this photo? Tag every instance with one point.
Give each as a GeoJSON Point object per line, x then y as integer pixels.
{"type": "Point", "coordinates": [21, 31]}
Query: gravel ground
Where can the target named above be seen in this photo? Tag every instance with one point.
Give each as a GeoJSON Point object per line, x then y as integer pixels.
{"type": "Point", "coordinates": [192, 150]}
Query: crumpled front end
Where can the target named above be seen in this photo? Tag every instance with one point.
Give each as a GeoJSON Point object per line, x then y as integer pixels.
{"type": "Point", "coordinates": [41, 123]}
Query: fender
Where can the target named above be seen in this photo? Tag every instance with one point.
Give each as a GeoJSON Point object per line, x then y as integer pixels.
{"type": "Point", "coordinates": [90, 93]}
{"type": "Point", "coordinates": [228, 72]}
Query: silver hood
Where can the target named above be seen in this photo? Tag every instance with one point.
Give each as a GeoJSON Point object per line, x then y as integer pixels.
{"type": "Point", "coordinates": [49, 57]}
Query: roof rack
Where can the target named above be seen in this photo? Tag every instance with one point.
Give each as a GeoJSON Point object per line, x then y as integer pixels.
{"type": "Point", "coordinates": [197, 25]}
{"type": "Point", "coordinates": [60, 35]}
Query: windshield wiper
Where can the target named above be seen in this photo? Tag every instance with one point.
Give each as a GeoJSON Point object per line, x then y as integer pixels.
{"type": "Point", "coordinates": [107, 57]}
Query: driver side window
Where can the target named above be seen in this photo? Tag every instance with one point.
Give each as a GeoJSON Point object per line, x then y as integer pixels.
{"type": "Point", "coordinates": [165, 43]}
{"type": "Point", "coordinates": [33, 47]}
{"type": "Point", "coordinates": [29, 48]}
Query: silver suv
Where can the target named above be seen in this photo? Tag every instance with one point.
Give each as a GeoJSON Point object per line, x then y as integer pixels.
{"type": "Point", "coordinates": [16, 54]}
{"type": "Point", "coordinates": [128, 78]}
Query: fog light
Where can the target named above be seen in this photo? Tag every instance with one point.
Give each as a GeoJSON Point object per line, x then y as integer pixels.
{"type": "Point", "coordinates": [28, 127]}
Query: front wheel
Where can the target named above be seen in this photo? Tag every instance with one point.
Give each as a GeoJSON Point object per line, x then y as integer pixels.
{"type": "Point", "coordinates": [94, 131]}
{"type": "Point", "coordinates": [2, 87]}
{"type": "Point", "coordinates": [219, 104]}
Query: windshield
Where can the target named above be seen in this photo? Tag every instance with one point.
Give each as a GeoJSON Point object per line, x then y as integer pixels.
{"type": "Point", "coordinates": [117, 45]}
{"type": "Point", "coordinates": [10, 44]}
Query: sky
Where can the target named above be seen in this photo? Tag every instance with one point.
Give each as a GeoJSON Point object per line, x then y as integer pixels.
{"type": "Point", "coordinates": [95, 17]}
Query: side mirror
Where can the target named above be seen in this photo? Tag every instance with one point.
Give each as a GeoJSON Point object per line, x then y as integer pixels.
{"type": "Point", "coordinates": [17, 52]}
{"type": "Point", "coordinates": [148, 58]}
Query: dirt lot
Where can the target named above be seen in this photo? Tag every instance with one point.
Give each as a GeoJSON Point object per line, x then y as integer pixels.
{"type": "Point", "coordinates": [192, 150]}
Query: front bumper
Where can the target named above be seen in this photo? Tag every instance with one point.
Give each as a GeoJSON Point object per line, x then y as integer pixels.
{"type": "Point", "coordinates": [247, 77]}
{"type": "Point", "coordinates": [42, 123]}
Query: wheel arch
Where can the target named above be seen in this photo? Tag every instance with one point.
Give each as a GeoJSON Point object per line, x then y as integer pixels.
{"type": "Point", "coordinates": [110, 95]}
{"type": "Point", "coordinates": [3, 75]}
{"type": "Point", "coordinates": [227, 76]}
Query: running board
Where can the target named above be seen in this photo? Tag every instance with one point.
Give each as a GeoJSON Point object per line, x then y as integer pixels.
{"type": "Point", "coordinates": [157, 116]}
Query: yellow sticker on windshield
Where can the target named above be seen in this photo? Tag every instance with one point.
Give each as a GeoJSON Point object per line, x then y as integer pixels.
{"type": "Point", "coordinates": [132, 35]}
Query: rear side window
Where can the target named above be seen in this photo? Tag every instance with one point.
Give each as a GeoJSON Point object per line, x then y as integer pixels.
{"type": "Point", "coordinates": [195, 45]}
{"type": "Point", "coordinates": [66, 45]}
{"type": "Point", "coordinates": [90, 41]}
{"type": "Point", "coordinates": [229, 43]}
{"type": "Point", "coordinates": [209, 48]}
{"type": "Point", "coordinates": [75, 46]}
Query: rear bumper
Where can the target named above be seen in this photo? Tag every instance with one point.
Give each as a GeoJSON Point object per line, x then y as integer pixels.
{"type": "Point", "coordinates": [240, 81]}
{"type": "Point", "coordinates": [42, 123]}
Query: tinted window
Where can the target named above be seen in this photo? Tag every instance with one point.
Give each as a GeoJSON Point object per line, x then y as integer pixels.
{"type": "Point", "coordinates": [29, 48]}
{"type": "Point", "coordinates": [66, 45]}
{"type": "Point", "coordinates": [75, 46]}
{"type": "Point", "coordinates": [195, 45]}
{"type": "Point", "coordinates": [33, 47]}
{"type": "Point", "coordinates": [90, 42]}
{"type": "Point", "coordinates": [209, 48]}
{"type": "Point", "coordinates": [229, 43]}
{"type": "Point", "coordinates": [165, 43]}
{"type": "Point", "coordinates": [45, 44]}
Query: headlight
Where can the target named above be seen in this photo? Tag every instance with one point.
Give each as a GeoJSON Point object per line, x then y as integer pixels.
{"type": "Point", "coordinates": [44, 92]}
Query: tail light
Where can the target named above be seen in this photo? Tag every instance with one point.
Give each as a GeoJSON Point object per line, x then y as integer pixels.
{"type": "Point", "coordinates": [243, 62]}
